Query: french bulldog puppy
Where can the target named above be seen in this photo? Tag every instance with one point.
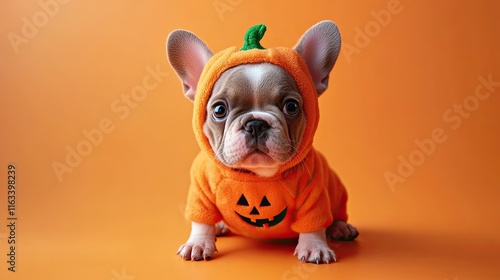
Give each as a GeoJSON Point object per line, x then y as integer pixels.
{"type": "Point", "coordinates": [255, 123]}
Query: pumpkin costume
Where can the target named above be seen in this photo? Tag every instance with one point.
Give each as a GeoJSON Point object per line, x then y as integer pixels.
{"type": "Point", "coordinates": [305, 195]}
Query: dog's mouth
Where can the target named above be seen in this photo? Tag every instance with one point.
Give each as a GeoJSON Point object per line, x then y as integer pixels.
{"type": "Point", "coordinates": [257, 158]}
{"type": "Point", "coordinates": [257, 162]}
{"type": "Point", "coordinates": [261, 150]}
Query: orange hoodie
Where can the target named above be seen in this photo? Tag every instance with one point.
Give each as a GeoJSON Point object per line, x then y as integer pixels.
{"type": "Point", "coordinates": [304, 196]}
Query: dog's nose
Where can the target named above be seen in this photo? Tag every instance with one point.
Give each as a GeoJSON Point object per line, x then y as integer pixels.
{"type": "Point", "coordinates": [256, 127]}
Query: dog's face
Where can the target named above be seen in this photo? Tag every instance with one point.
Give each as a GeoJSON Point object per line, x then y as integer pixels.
{"type": "Point", "coordinates": [255, 119]}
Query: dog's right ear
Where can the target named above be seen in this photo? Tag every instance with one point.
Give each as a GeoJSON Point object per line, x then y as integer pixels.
{"type": "Point", "coordinates": [188, 55]}
{"type": "Point", "coordinates": [320, 47]}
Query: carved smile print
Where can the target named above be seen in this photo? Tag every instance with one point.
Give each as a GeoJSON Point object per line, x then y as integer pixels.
{"type": "Point", "coordinates": [265, 222]}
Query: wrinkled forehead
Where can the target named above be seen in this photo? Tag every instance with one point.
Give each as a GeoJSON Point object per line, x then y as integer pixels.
{"type": "Point", "coordinates": [256, 84]}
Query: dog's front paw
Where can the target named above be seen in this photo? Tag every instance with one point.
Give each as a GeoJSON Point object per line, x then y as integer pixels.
{"type": "Point", "coordinates": [201, 243]}
{"type": "Point", "coordinates": [197, 250]}
{"type": "Point", "coordinates": [342, 231]}
{"type": "Point", "coordinates": [312, 248]}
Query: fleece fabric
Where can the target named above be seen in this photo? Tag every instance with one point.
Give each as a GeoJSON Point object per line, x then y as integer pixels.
{"type": "Point", "coordinates": [304, 196]}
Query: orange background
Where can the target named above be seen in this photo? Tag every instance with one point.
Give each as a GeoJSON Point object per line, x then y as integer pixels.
{"type": "Point", "coordinates": [118, 213]}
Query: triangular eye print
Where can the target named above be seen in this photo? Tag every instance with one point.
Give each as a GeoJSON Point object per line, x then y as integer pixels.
{"type": "Point", "coordinates": [242, 201]}
{"type": "Point", "coordinates": [265, 202]}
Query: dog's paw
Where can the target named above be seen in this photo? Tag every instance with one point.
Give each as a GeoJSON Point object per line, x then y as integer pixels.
{"type": "Point", "coordinates": [201, 243]}
{"type": "Point", "coordinates": [342, 231]}
{"type": "Point", "coordinates": [197, 250]}
{"type": "Point", "coordinates": [312, 248]}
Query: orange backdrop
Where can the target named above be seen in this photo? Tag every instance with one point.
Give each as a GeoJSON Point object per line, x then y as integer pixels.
{"type": "Point", "coordinates": [93, 119]}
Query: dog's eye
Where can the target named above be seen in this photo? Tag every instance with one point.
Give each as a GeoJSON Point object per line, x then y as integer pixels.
{"type": "Point", "coordinates": [291, 108]}
{"type": "Point", "coordinates": [219, 111]}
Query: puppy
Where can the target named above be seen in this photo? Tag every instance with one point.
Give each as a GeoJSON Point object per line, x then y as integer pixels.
{"type": "Point", "coordinates": [255, 114]}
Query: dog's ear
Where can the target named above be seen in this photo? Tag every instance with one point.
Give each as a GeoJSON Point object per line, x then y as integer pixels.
{"type": "Point", "coordinates": [320, 47]}
{"type": "Point", "coordinates": [188, 55]}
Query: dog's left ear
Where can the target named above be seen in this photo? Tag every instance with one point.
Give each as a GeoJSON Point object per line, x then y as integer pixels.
{"type": "Point", "coordinates": [320, 47]}
{"type": "Point", "coordinates": [188, 55]}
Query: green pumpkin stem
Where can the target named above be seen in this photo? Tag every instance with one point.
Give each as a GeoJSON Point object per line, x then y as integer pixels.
{"type": "Point", "coordinates": [253, 36]}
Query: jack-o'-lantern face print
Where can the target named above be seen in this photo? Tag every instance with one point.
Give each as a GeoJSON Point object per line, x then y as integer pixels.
{"type": "Point", "coordinates": [253, 214]}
